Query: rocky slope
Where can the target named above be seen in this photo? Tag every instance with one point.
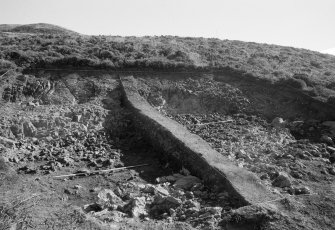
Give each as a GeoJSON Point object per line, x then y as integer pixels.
{"type": "Point", "coordinates": [72, 125]}
{"type": "Point", "coordinates": [67, 142]}
{"type": "Point", "coordinates": [294, 156]}
{"type": "Point", "coordinates": [59, 123]}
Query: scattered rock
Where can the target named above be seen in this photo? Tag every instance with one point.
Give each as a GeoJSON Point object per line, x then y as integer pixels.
{"type": "Point", "coordinates": [69, 192]}
{"type": "Point", "coordinates": [137, 207]}
{"type": "Point", "coordinates": [264, 176]}
{"type": "Point", "coordinates": [164, 203]}
{"type": "Point", "coordinates": [187, 182]}
{"type": "Point", "coordinates": [278, 122]}
{"type": "Point", "coordinates": [213, 210]}
{"type": "Point", "coordinates": [28, 169]}
{"type": "Point", "coordinates": [296, 174]}
{"type": "Point", "coordinates": [283, 180]}
{"type": "Point", "coordinates": [84, 170]}
{"type": "Point", "coordinates": [77, 186]}
{"type": "Point", "coordinates": [108, 198]}
{"type": "Point", "coordinates": [108, 163]}
{"type": "Point", "coordinates": [66, 160]}
{"type": "Point", "coordinates": [302, 190]}
{"type": "Point", "coordinates": [110, 216]}
{"type": "Point", "coordinates": [7, 142]}
{"type": "Point", "coordinates": [326, 139]}
{"type": "Point", "coordinates": [161, 190]}
{"type": "Point", "coordinates": [92, 207]}
{"type": "Point", "coordinates": [29, 129]}
{"type": "Point", "coordinates": [193, 204]}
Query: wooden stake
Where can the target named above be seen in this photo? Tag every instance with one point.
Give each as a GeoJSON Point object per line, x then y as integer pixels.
{"type": "Point", "coordinates": [215, 122]}
{"type": "Point", "coordinates": [99, 171]}
{"type": "Point", "coordinates": [5, 73]}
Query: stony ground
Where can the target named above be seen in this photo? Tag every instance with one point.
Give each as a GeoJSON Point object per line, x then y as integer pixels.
{"type": "Point", "coordinates": [294, 158]}
{"type": "Point", "coordinates": [68, 148]}
{"type": "Point", "coordinates": [65, 159]}
{"type": "Point", "coordinates": [269, 150]}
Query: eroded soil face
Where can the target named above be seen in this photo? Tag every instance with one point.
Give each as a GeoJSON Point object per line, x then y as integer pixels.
{"type": "Point", "coordinates": [292, 154]}
{"type": "Point", "coordinates": [62, 123]}
{"type": "Point", "coordinates": [59, 124]}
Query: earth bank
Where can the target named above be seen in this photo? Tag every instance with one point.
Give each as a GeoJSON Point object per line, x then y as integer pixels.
{"type": "Point", "coordinates": [56, 123]}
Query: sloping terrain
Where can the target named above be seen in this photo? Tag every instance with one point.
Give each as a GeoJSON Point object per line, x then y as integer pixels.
{"type": "Point", "coordinates": [72, 157]}
{"type": "Point", "coordinates": [7, 27]}
{"type": "Point", "coordinates": [62, 123]}
{"type": "Point", "coordinates": [36, 28]}
{"type": "Point", "coordinates": [293, 157]}
{"type": "Point", "coordinates": [310, 71]}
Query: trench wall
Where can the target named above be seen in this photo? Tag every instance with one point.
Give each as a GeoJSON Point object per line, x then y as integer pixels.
{"type": "Point", "coordinates": [189, 150]}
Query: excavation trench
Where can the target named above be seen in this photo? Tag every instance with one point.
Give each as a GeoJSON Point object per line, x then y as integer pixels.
{"type": "Point", "coordinates": [216, 127]}
{"type": "Point", "coordinates": [177, 113]}
{"type": "Point", "coordinates": [191, 151]}
{"type": "Point", "coordinates": [87, 128]}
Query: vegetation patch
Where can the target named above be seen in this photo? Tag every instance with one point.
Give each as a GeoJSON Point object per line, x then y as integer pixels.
{"type": "Point", "coordinates": [55, 48]}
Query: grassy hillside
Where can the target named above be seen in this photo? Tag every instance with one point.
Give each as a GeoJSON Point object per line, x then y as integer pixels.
{"type": "Point", "coordinates": [7, 27]}
{"type": "Point", "coordinates": [36, 28]}
{"type": "Point", "coordinates": [311, 71]}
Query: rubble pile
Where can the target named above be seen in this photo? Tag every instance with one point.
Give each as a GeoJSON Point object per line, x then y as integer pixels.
{"type": "Point", "coordinates": [27, 86]}
{"type": "Point", "coordinates": [44, 140]}
{"type": "Point", "coordinates": [193, 96]}
{"type": "Point", "coordinates": [280, 152]}
{"type": "Point", "coordinates": [75, 138]}
{"type": "Point", "coordinates": [66, 136]}
{"type": "Point", "coordinates": [269, 150]}
{"type": "Point", "coordinates": [174, 197]}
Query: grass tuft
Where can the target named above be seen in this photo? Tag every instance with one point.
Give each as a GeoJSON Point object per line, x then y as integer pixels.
{"type": "Point", "coordinates": [15, 213]}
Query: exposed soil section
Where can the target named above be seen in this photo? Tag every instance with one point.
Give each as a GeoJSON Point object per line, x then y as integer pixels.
{"type": "Point", "coordinates": [264, 98]}
{"type": "Point", "coordinates": [55, 124]}
{"type": "Point", "coordinates": [59, 123]}
{"type": "Point", "coordinates": [293, 157]}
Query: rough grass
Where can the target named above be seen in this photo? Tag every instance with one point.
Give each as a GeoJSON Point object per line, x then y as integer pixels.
{"type": "Point", "coordinates": [169, 53]}
{"type": "Point", "coordinates": [15, 212]}
{"type": "Point", "coordinates": [35, 28]}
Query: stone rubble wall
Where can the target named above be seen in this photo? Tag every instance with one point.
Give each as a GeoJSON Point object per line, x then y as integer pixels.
{"type": "Point", "coordinates": [190, 151]}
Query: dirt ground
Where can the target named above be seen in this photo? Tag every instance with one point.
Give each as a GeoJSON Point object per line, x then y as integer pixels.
{"type": "Point", "coordinates": [55, 124]}
{"type": "Point", "coordinates": [292, 155]}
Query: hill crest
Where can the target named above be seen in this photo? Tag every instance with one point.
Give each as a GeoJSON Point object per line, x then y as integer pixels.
{"type": "Point", "coordinates": [36, 28]}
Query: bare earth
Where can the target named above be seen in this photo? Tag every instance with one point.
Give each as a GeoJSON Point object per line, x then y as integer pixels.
{"type": "Point", "coordinates": [59, 123]}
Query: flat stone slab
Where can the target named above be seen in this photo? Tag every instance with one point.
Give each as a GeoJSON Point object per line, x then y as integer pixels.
{"type": "Point", "coordinates": [191, 151]}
